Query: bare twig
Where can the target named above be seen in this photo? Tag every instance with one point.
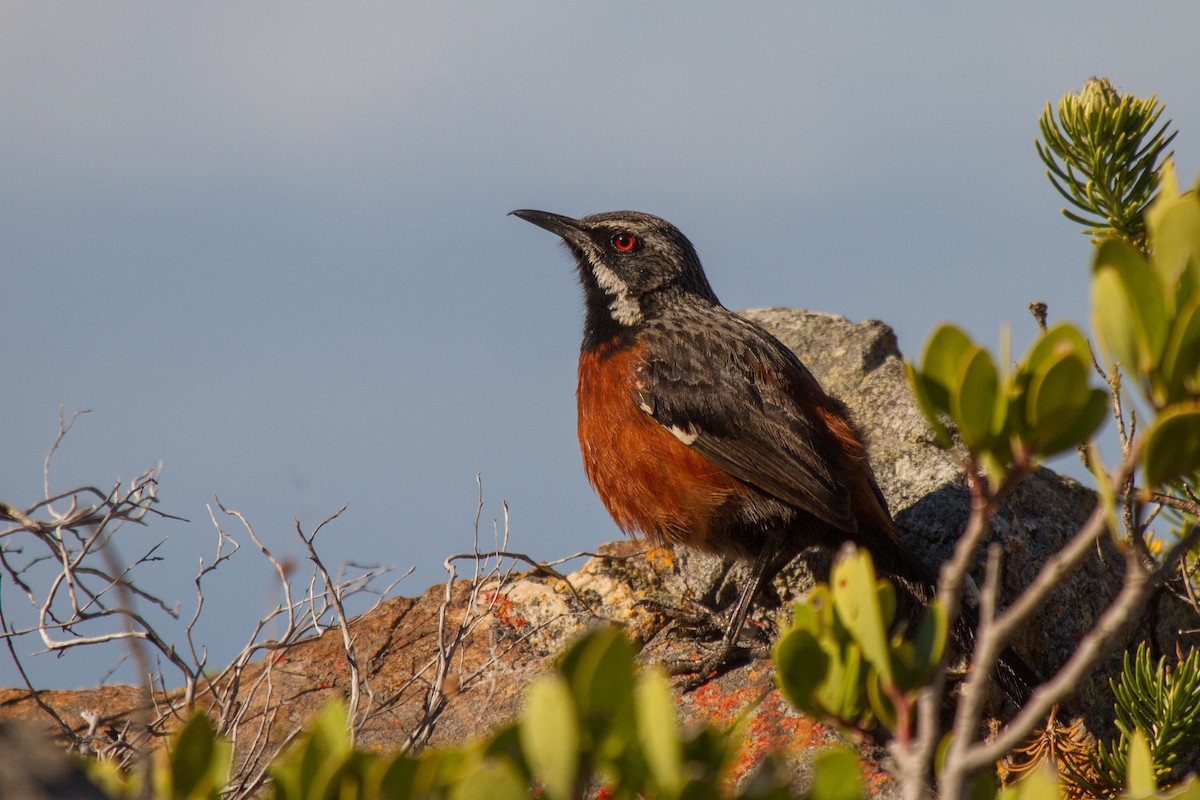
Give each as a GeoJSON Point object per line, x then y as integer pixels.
{"type": "Point", "coordinates": [60, 554]}
{"type": "Point", "coordinates": [333, 590]}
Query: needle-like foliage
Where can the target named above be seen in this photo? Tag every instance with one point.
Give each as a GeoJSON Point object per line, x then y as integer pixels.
{"type": "Point", "coordinates": [1102, 154]}
{"type": "Point", "coordinates": [1161, 701]}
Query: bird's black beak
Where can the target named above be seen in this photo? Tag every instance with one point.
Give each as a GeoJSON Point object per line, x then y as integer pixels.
{"type": "Point", "coordinates": [565, 227]}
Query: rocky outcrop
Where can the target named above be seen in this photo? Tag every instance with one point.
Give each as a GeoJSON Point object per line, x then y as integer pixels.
{"type": "Point", "coordinates": [518, 623]}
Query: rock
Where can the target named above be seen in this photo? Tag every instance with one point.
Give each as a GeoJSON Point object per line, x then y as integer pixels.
{"type": "Point", "coordinates": [512, 626]}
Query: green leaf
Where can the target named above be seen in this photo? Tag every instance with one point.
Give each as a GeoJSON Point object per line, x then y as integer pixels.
{"type": "Point", "coordinates": [1176, 238]}
{"type": "Point", "coordinates": [933, 383]}
{"type": "Point", "coordinates": [342, 777]}
{"type": "Point", "coordinates": [1041, 784]}
{"type": "Point", "coordinates": [1057, 392]}
{"type": "Point", "coordinates": [931, 635]}
{"type": "Point", "coordinates": [836, 776]}
{"type": "Point", "coordinates": [842, 691]}
{"type": "Point", "coordinates": [1128, 309]}
{"type": "Point", "coordinates": [1085, 423]}
{"type": "Point", "coordinates": [974, 398]}
{"type": "Point", "coordinates": [940, 363]}
{"type": "Point", "coordinates": [983, 787]}
{"type": "Point", "coordinates": [1141, 779]}
{"type": "Point", "coordinates": [398, 778]}
{"type": "Point", "coordinates": [1181, 359]}
{"type": "Point", "coordinates": [199, 760]}
{"type": "Point", "coordinates": [658, 731]}
{"type": "Point", "coordinates": [599, 668]}
{"type": "Point", "coordinates": [924, 390]}
{"type": "Point", "coordinates": [1168, 195]}
{"type": "Point", "coordinates": [885, 593]}
{"type": "Point", "coordinates": [1172, 448]}
{"type": "Point", "coordinates": [879, 700]}
{"type": "Point", "coordinates": [1063, 338]}
{"type": "Point", "coordinates": [550, 735]}
{"type": "Point", "coordinates": [437, 769]}
{"type": "Point", "coordinates": [318, 754]}
{"type": "Point", "coordinates": [1188, 790]}
{"type": "Point", "coordinates": [1061, 410]}
{"type": "Point", "coordinates": [855, 596]}
{"type": "Point", "coordinates": [496, 780]}
{"type": "Point", "coordinates": [801, 665]}
{"type": "Point", "coordinates": [1112, 319]}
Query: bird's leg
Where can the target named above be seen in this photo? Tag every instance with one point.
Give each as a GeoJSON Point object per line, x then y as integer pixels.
{"type": "Point", "coordinates": [701, 618]}
{"type": "Point", "coordinates": [727, 650]}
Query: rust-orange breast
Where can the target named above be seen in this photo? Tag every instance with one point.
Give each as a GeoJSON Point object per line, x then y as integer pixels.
{"type": "Point", "coordinates": [650, 482]}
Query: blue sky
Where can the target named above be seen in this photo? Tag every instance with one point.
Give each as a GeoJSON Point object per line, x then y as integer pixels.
{"type": "Point", "coordinates": [266, 243]}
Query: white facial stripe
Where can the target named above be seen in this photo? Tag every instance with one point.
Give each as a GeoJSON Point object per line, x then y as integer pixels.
{"type": "Point", "coordinates": [624, 307]}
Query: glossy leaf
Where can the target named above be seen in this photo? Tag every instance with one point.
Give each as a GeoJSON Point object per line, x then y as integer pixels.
{"type": "Point", "coordinates": [658, 730]}
{"type": "Point", "coordinates": [1176, 241]}
{"type": "Point", "coordinates": [399, 778]}
{"type": "Point", "coordinates": [550, 735]}
{"type": "Point", "coordinates": [491, 779]}
{"type": "Point", "coordinates": [341, 776]}
{"type": "Point", "coordinates": [877, 697]}
{"type": "Point", "coordinates": [924, 390]}
{"type": "Point", "coordinates": [837, 775]}
{"type": "Point", "coordinates": [1057, 391]}
{"type": "Point", "coordinates": [1181, 359]}
{"type": "Point", "coordinates": [1172, 448]}
{"type": "Point", "coordinates": [940, 364]}
{"type": "Point", "coordinates": [818, 665]}
{"type": "Point", "coordinates": [1168, 195]}
{"type": "Point", "coordinates": [801, 665]}
{"type": "Point", "coordinates": [328, 743]}
{"type": "Point", "coordinates": [599, 668]}
{"type": "Point", "coordinates": [885, 595]}
{"type": "Point", "coordinates": [1113, 320]}
{"type": "Point", "coordinates": [1041, 784]}
{"type": "Point", "coordinates": [930, 640]}
{"type": "Point", "coordinates": [1128, 308]}
{"type": "Point", "coordinates": [934, 382]}
{"type": "Point", "coordinates": [505, 745]}
{"type": "Point", "coordinates": [1062, 411]}
{"type": "Point", "coordinates": [1064, 340]}
{"type": "Point", "coordinates": [842, 690]}
{"type": "Point", "coordinates": [855, 595]}
{"type": "Point", "coordinates": [974, 397]}
{"type": "Point", "coordinates": [1061, 339]}
{"type": "Point", "coordinates": [199, 761]}
{"type": "Point", "coordinates": [1085, 423]}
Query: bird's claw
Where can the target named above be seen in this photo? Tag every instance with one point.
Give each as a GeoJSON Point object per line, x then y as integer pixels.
{"type": "Point", "coordinates": [697, 672]}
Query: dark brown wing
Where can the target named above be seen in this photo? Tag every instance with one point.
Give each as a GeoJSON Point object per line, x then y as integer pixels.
{"type": "Point", "coordinates": [745, 402]}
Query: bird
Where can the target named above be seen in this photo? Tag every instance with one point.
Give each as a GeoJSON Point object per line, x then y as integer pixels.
{"type": "Point", "coordinates": [697, 427]}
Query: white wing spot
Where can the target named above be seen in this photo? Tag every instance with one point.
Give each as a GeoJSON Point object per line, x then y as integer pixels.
{"type": "Point", "coordinates": [686, 435]}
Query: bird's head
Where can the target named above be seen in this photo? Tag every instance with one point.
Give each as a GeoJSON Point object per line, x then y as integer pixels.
{"type": "Point", "coordinates": [631, 265]}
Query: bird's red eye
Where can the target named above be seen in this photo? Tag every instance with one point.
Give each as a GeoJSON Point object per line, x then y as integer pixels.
{"type": "Point", "coordinates": [624, 242]}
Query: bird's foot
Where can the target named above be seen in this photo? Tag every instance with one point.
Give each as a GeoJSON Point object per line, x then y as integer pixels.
{"type": "Point", "coordinates": [682, 621]}
{"type": "Point", "coordinates": [729, 653]}
{"type": "Point", "coordinates": [691, 618]}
